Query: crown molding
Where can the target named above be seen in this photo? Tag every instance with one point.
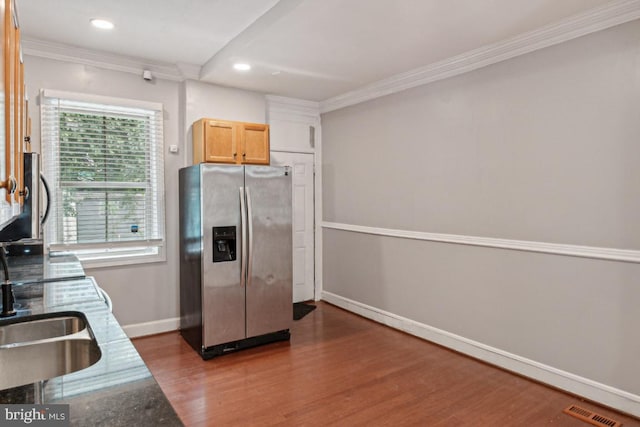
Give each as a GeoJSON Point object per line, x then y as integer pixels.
{"type": "Point", "coordinates": [292, 109]}
{"type": "Point", "coordinates": [597, 19]}
{"type": "Point", "coordinates": [108, 61]}
{"type": "Point", "coordinates": [189, 71]}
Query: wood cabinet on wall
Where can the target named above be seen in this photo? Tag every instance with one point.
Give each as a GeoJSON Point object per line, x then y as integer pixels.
{"type": "Point", "coordinates": [224, 141]}
{"type": "Point", "coordinates": [13, 115]}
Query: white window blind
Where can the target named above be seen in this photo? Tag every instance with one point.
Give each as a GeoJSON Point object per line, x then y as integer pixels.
{"type": "Point", "coordinates": [103, 158]}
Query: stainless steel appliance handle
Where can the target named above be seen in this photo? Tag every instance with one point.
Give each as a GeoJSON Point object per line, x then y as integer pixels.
{"type": "Point", "coordinates": [243, 240]}
{"type": "Point", "coordinates": [48, 194]}
{"type": "Point", "coordinates": [250, 227]}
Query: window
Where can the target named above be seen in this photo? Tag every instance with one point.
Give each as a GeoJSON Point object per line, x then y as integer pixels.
{"type": "Point", "coordinates": [103, 159]}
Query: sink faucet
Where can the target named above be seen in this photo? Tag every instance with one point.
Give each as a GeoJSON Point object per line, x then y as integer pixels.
{"type": "Point", "coordinates": [7, 291]}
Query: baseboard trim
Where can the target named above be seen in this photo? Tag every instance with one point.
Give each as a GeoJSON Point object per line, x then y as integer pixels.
{"type": "Point", "coordinates": [592, 390]}
{"type": "Point", "coordinates": [151, 328]}
{"type": "Point", "coordinates": [610, 254]}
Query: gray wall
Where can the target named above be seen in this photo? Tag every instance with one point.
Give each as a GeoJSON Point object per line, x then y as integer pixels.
{"type": "Point", "coordinates": [543, 147]}
{"type": "Point", "coordinates": [146, 292]}
{"type": "Point", "coordinates": [204, 100]}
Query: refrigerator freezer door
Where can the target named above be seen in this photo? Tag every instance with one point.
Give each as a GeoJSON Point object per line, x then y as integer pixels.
{"type": "Point", "coordinates": [269, 297]}
{"type": "Point", "coordinates": [223, 292]}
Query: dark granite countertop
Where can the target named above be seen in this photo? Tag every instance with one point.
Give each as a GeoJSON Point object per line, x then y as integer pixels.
{"type": "Point", "coordinates": [118, 390]}
{"type": "Point", "coordinates": [44, 268]}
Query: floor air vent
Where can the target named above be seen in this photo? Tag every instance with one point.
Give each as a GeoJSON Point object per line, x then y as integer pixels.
{"type": "Point", "coordinates": [591, 417]}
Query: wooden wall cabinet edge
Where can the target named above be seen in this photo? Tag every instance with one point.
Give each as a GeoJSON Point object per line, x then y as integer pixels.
{"type": "Point", "coordinates": [227, 141]}
{"type": "Point", "coordinates": [16, 130]}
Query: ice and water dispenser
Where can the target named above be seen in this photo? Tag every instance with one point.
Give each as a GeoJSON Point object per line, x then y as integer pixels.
{"type": "Point", "coordinates": [224, 244]}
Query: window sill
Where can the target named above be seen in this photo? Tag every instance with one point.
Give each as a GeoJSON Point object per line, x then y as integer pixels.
{"type": "Point", "coordinates": [121, 261]}
{"type": "Point", "coordinates": [113, 259]}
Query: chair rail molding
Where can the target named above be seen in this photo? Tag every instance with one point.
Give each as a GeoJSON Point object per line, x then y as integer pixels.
{"type": "Point", "coordinates": [610, 254]}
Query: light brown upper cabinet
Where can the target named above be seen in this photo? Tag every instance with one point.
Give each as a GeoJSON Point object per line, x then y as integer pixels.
{"type": "Point", "coordinates": [224, 141]}
{"type": "Point", "coordinates": [18, 120]}
{"type": "Point", "coordinates": [14, 114]}
{"type": "Point", "coordinates": [11, 182]}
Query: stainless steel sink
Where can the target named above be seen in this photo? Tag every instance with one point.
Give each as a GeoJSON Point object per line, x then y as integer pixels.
{"type": "Point", "coordinates": [38, 348]}
{"type": "Point", "coordinates": [33, 328]}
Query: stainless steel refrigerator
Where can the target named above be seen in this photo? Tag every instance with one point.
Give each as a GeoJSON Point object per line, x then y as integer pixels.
{"type": "Point", "coordinates": [235, 256]}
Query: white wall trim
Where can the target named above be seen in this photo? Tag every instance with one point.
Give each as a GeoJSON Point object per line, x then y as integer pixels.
{"type": "Point", "coordinates": [597, 19]}
{"type": "Point", "coordinates": [319, 268]}
{"type": "Point", "coordinates": [605, 394]}
{"type": "Point", "coordinates": [307, 112]}
{"type": "Point", "coordinates": [151, 328]}
{"type": "Point", "coordinates": [612, 254]}
{"type": "Point", "coordinates": [292, 109]}
{"type": "Point", "coordinates": [293, 150]}
{"type": "Point", "coordinates": [109, 61]}
{"type": "Point", "coordinates": [101, 99]}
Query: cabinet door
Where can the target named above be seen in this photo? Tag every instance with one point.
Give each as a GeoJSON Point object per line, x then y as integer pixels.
{"type": "Point", "coordinates": [9, 35]}
{"type": "Point", "coordinates": [4, 174]}
{"type": "Point", "coordinates": [220, 142]}
{"type": "Point", "coordinates": [18, 133]}
{"type": "Point", "coordinates": [254, 143]}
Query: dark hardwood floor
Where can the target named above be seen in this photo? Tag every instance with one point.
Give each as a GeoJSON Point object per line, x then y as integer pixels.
{"type": "Point", "coordinates": [341, 369]}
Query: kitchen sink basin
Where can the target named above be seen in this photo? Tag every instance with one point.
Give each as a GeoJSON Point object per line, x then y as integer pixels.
{"type": "Point", "coordinates": [33, 328]}
{"type": "Point", "coordinates": [38, 348]}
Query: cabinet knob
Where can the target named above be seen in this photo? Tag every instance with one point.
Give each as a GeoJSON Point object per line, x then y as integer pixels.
{"type": "Point", "coordinates": [235, 155]}
{"type": "Point", "coordinates": [244, 154]}
{"type": "Point", "coordinates": [10, 184]}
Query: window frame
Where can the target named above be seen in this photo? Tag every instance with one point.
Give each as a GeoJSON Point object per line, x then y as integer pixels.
{"type": "Point", "coordinates": [108, 254]}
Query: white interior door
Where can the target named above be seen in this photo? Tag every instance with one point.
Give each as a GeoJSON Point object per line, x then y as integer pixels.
{"type": "Point", "coordinates": [303, 221]}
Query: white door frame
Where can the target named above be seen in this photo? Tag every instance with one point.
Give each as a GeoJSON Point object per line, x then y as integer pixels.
{"type": "Point", "coordinates": [280, 112]}
{"type": "Point", "coordinates": [317, 159]}
{"type": "Point", "coordinates": [307, 160]}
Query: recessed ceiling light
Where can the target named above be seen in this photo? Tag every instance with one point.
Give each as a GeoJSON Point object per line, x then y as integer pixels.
{"type": "Point", "coordinates": [103, 24]}
{"type": "Point", "coordinates": [241, 66]}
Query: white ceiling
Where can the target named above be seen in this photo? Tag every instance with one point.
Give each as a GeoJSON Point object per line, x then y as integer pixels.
{"type": "Point", "coordinates": [308, 49]}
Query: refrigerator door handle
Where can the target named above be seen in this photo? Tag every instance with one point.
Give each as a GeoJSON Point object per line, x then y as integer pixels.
{"type": "Point", "coordinates": [243, 240]}
{"type": "Point", "coordinates": [250, 229]}
{"type": "Point", "coordinates": [47, 192]}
